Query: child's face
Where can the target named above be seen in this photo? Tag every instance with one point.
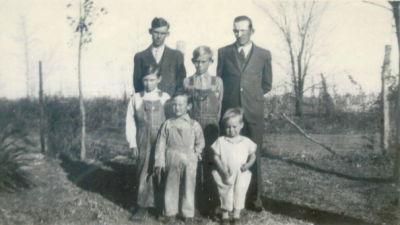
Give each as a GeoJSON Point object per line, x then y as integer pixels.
{"type": "Point", "coordinates": [180, 105]}
{"type": "Point", "coordinates": [201, 63]}
{"type": "Point", "coordinates": [233, 126]}
{"type": "Point", "coordinates": [150, 82]}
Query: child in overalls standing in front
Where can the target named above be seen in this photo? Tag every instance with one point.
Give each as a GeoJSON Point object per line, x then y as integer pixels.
{"type": "Point", "coordinates": [178, 149]}
{"type": "Point", "coordinates": [143, 121]}
{"type": "Point", "coordinates": [206, 92]}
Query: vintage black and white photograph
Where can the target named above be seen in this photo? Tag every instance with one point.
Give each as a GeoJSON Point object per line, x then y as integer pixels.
{"type": "Point", "coordinates": [134, 112]}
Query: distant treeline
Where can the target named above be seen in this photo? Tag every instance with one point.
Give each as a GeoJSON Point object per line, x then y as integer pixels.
{"type": "Point", "coordinates": [338, 115]}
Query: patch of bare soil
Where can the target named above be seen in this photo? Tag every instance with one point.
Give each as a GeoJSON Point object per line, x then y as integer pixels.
{"type": "Point", "coordinates": [56, 200]}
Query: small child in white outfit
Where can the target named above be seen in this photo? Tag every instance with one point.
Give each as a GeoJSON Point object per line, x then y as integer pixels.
{"type": "Point", "coordinates": [234, 154]}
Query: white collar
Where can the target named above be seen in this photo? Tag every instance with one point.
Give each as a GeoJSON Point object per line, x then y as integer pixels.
{"type": "Point", "coordinates": [234, 140]}
{"type": "Point", "coordinates": [246, 48]}
{"type": "Point", "coordinates": [156, 90]}
{"type": "Point", "coordinates": [159, 48]}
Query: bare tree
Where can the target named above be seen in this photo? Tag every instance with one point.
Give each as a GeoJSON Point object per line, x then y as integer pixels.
{"type": "Point", "coordinates": [298, 22]}
{"type": "Point", "coordinates": [25, 37]}
{"type": "Point", "coordinates": [42, 116]}
{"type": "Point", "coordinates": [361, 96]}
{"type": "Point", "coordinates": [83, 26]}
{"type": "Point", "coordinates": [326, 99]}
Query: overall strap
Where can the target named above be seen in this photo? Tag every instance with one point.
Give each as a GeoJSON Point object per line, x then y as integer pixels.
{"type": "Point", "coordinates": [191, 81]}
{"type": "Point", "coordinates": [192, 123]}
{"type": "Point", "coordinates": [191, 87]}
{"type": "Point", "coordinates": [213, 81]}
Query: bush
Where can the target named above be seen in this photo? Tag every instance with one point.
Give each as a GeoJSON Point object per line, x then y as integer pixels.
{"type": "Point", "coordinates": [21, 112]}
{"type": "Point", "coordinates": [63, 126]}
{"type": "Point", "coordinates": [13, 143]}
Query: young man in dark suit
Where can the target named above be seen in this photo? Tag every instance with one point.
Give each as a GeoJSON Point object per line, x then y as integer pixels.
{"type": "Point", "coordinates": [247, 75]}
{"type": "Point", "coordinates": [170, 62]}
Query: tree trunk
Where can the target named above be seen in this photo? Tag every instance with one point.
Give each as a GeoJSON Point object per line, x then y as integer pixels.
{"type": "Point", "coordinates": [397, 115]}
{"type": "Point", "coordinates": [396, 13]}
{"type": "Point", "coordinates": [27, 65]}
{"type": "Point", "coordinates": [385, 132]}
{"type": "Point", "coordinates": [41, 106]}
{"type": "Point", "coordinates": [299, 104]}
{"type": "Point", "coordinates": [81, 102]}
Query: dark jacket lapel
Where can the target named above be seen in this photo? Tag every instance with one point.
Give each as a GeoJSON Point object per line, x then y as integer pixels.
{"type": "Point", "coordinates": [149, 56]}
{"type": "Point", "coordinates": [235, 56]}
{"type": "Point", "coordinates": [250, 57]}
{"type": "Point", "coordinates": [165, 56]}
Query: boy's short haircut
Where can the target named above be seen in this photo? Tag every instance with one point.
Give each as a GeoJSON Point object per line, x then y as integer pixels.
{"type": "Point", "coordinates": [232, 113]}
{"type": "Point", "coordinates": [185, 94]}
{"type": "Point", "coordinates": [202, 50]}
{"type": "Point", "coordinates": [159, 22]}
{"type": "Point", "coordinates": [151, 69]}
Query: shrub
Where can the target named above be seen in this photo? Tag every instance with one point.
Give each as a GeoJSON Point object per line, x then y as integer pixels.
{"type": "Point", "coordinates": [13, 143]}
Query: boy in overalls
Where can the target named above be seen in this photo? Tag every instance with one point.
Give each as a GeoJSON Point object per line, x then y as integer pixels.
{"type": "Point", "coordinates": [206, 92]}
{"type": "Point", "coordinates": [143, 121]}
{"type": "Point", "coordinates": [178, 149]}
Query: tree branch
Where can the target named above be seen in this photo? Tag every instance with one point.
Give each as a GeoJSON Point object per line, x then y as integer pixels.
{"type": "Point", "coordinates": [298, 128]}
{"type": "Point", "coordinates": [308, 88]}
{"type": "Point", "coordinates": [378, 5]}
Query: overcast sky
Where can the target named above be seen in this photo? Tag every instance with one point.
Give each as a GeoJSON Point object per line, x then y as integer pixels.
{"type": "Point", "coordinates": [353, 36]}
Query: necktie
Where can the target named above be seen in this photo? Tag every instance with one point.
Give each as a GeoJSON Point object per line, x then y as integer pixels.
{"type": "Point", "coordinates": [242, 57]}
{"type": "Point", "coordinates": [156, 53]}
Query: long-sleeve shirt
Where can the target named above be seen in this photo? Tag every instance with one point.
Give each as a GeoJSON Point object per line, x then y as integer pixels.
{"type": "Point", "coordinates": [135, 103]}
{"type": "Point", "coordinates": [180, 136]}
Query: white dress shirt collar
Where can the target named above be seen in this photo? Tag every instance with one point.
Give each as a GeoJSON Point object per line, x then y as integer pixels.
{"type": "Point", "coordinates": [246, 48]}
{"type": "Point", "coordinates": [158, 52]}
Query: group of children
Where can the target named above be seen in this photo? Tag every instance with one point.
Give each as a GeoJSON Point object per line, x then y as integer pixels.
{"type": "Point", "coordinates": [169, 150]}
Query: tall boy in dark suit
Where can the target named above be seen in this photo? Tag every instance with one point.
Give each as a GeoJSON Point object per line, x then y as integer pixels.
{"type": "Point", "coordinates": [170, 62]}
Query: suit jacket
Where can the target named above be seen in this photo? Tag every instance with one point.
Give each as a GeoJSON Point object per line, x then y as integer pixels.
{"type": "Point", "coordinates": [172, 69]}
{"type": "Point", "coordinates": [245, 86]}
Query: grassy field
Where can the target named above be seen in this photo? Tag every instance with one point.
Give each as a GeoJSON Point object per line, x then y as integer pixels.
{"type": "Point", "coordinates": [303, 183]}
{"type": "Point", "coordinates": [357, 182]}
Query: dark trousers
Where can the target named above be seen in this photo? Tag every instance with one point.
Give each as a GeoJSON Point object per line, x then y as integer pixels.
{"type": "Point", "coordinates": [255, 132]}
{"type": "Point", "coordinates": [207, 191]}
